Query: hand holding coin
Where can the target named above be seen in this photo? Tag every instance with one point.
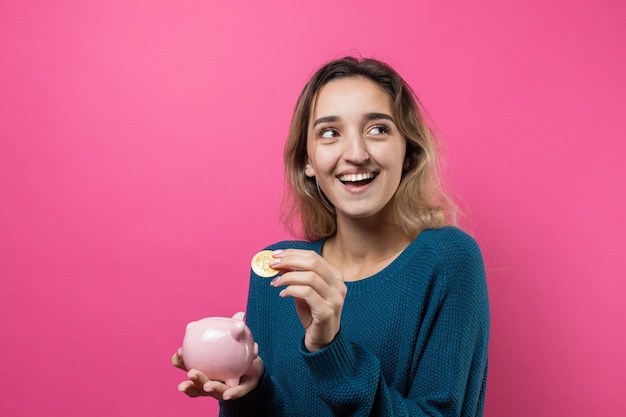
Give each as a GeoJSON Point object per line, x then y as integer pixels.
{"type": "Point", "coordinates": [260, 264]}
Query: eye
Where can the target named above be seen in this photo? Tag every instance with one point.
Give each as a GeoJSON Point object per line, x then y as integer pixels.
{"type": "Point", "coordinates": [328, 133]}
{"type": "Point", "coordinates": [379, 130]}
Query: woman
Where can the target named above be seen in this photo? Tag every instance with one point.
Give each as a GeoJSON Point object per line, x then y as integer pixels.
{"type": "Point", "coordinates": [382, 310]}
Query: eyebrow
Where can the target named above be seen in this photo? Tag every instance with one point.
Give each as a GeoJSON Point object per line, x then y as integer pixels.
{"type": "Point", "coordinates": [375, 116]}
{"type": "Point", "coordinates": [368, 116]}
{"type": "Point", "coordinates": [326, 119]}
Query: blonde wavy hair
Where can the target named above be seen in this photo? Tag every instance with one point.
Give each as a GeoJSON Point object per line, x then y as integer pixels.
{"type": "Point", "coordinates": [420, 202]}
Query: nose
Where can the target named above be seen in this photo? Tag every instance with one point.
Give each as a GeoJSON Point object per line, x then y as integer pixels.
{"type": "Point", "coordinates": [356, 149]}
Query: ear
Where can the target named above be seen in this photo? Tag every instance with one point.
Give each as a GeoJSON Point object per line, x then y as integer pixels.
{"type": "Point", "coordinates": [308, 170]}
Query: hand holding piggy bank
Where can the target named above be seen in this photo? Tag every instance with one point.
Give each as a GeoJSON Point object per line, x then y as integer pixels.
{"type": "Point", "coordinates": [220, 347]}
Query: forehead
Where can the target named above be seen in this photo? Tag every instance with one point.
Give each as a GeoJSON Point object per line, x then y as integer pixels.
{"type": "Point", "coordinates": [351, 96]}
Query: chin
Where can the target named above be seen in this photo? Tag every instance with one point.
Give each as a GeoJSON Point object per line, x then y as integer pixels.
{"type": "Point", "coordinates": [362, 213]}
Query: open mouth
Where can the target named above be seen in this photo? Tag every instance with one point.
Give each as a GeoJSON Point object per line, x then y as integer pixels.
{"type": "Point", "coordinates": [362, 178]}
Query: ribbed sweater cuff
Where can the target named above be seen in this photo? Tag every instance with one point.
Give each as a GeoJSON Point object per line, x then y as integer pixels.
{"type": "Point", "coordinates": [334, 363]}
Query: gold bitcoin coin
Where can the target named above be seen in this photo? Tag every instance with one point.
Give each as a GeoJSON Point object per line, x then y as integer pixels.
{"type": "Point", "coordinates": [260, 264]}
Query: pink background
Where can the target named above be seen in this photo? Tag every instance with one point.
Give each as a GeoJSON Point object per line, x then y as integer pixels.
{"type": "Point", "coordinates": [140, 146]}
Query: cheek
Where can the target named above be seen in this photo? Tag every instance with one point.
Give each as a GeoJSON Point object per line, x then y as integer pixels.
{"type": "Point", "coordinates": [393, 158]}
{"type": "Point", "coordinates": [320, 161]}
{"type": "Point", "coordinates": [396, 170]}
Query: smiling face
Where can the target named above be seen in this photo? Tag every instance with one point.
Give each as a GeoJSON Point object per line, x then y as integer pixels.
{"type": "Point", "coordinates": [355, 151]}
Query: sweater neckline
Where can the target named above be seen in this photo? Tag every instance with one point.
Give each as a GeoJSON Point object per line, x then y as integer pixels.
{"type": "Point", "coordinates": [376, 280]}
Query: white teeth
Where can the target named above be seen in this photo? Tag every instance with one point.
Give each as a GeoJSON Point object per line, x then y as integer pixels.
{"type": "Point", "coordinates": [356, 177]}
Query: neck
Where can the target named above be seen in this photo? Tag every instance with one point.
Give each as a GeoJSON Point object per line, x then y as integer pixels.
{"type": "Point", "coordinates": [363, 247]}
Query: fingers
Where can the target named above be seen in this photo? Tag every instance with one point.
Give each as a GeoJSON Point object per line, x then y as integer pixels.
{"type": "Point", "coordinates": [309, 277]}
{"type": "Point", "coordinates": [303, 260]}
{"type": "Point", "coordinates": [237, 391]}
{"type": "Point", "coordinates": [248, 381]}
{"type": "Point", "coordinates": [189, 388]}
{"type": "Point", "coordinates": [198, 379]}
{"type": "Point", "coordinates": [177, 359]}
{"type": "Point", "coordinates": [199, 385]}
{"type": "Point", "coordinates": [215, 389]}
{"type": "Point", "coordinates": [210, 389]}
{"type": "Point", "coordinates": [307, 268]}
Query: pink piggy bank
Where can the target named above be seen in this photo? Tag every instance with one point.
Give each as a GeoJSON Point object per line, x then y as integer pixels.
{"type": "Point", "coordinates": [222, 348]}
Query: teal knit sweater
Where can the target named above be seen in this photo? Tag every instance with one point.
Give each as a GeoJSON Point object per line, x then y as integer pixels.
{"type": "Point", "coordinates": [413, 340]}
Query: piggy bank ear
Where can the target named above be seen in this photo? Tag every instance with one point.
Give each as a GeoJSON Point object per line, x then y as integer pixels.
{"type": "Point", "coordinates": [237, 330]}
{"type": "Point", "coordinates": [191, 323]}
{"type": "Point", "coordinates": [239, 316]}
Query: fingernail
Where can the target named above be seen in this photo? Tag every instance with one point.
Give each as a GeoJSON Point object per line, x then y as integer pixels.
{"type": "Point", "coordinates": [274, 282]}
{"type": "Point", "coordinates": [278, 252]}
{"type": "Point", "coordinates": [273, 262]}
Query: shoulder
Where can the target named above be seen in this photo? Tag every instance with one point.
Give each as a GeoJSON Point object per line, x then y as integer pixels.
{"type": "Point", "coordinates": [452, 252]}
{"type": "Point", "coordinates": [449, 241]}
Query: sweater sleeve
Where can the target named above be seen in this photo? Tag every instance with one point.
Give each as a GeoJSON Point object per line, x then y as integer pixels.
{"type": "Point", "coordinates": [450, 360]}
